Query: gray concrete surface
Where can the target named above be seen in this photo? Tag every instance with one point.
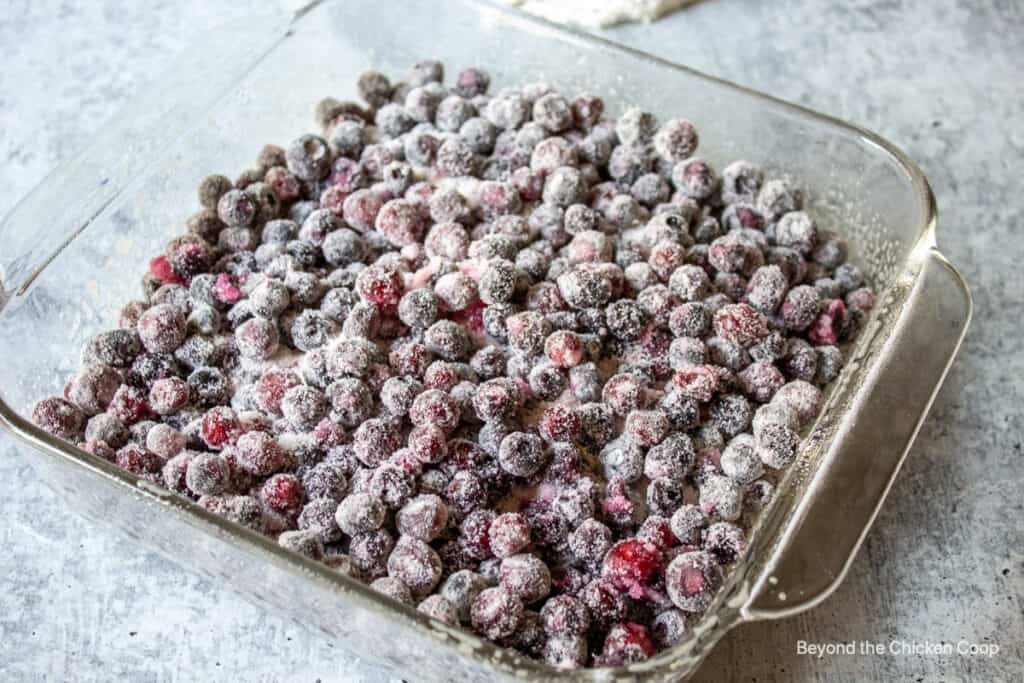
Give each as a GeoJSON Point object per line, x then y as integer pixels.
{"type": "Point", "coordinates": [945, 560]}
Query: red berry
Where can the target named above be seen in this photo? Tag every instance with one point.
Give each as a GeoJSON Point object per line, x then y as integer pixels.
{"type": "Point", "coordinates": [220, 427]}
{"type": "Point", "coordinates": [509, 533]}
{"type": "Point", "coordinates": [282, 493]}
{"type": "Point", "coordinates": [333, 199]}
{"type": "Point", "coordinates": [271, 388]}
{"type": "Point", "coordinates": [559, 423]}
{"type": "Point", "coordinates": [380, 284]}
{"type": "Point", "coordinates": [631, 565]}
{"type": "Point", "coordinates": [564, 348]}
{"type": "Point", "coordinates": [283, 184]}
{"type": "Point", "coordinates": [59, 417]}
{"type": "Point", "coordinates": [427, 443]}
{"type": "Point", "coordinates": [699, 382]}
{"type": "Point", "coordinates": [160, 268]}
{"type": "Point", "coordinates": [138, 460]}
{"type": "Point", "coordinates": [647, 427]}
{"type": "Point", "coordinates": [225, 289]}
{"type": "Point", "coordinates": [168, 395]}
{"type": "Point", "coordinates": [741, 324]}
{"type": "Point", "coordinates": [258, 453]}
{"type": "Point", "coordinates": [130, 405]}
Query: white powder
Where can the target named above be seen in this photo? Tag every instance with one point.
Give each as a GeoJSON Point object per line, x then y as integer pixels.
{"type": "Point", "coordinates": [599, 13]}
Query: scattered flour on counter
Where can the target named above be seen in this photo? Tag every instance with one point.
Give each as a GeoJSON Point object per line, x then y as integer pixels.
{"type": "Point", "coordinates": [599, 13]}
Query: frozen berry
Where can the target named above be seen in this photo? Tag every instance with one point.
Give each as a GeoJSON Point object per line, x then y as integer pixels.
{"type": "Point", "coordinates": [281, 493]}
{"type": "Point", "coordinates": [162, 328]}
{"type": "Point", "coordinates": [304, 406]}
{"type": "Point", "coordinates": [605, 603]}
{"type": "Point", "coordinates": [669, 628]}
{"type": "Point", "coordinates": [623, 393]}
{"type": "Point", "coordinates": [415, 564]}
{"type": "Point", "coordinates": [526, 577]}
{"type": "Point", "coordinates": [237, 208]}
{"type": "Point", "coordinates": [308, 157]}
{"type": "Point", "coordinates": [93, 388]}
{"type": "Point", "coordinates": [631, 565]}
{"type": "Point", "coordinates": [130, 404]}
{"type": "Point", "coordinates": [796, 230]}
{"type": "Point", "coordinates": [509, 534]}
{"type": "Point", "coordinates": [436, 408]}
{"type": "Point", "coordinates": [547, 382]}
{"type": "Point", "coordinates": [381, 285]}
{"type": "Point", "coordinates": [731, 413]}
{"type": "Point", "coordinates": [392, 483]}
{"type": "Point", "coordinates": [424, 517]}
{"type": "Point", "coordinates": [137, 460]}
{"type": "Point", "coordinates": [692, 579]}
{"type": "Point", "coordinates": [258, 453]}
{"type": "Point", "coordinates": [695, 178]}
{"type": "Point", "coordinates": [647, 427]}
{"type": "Point", "coordinates": [741, 181]}
{"type": "Point", "coordinates": [107, 429]}
{"type": "Point", "coordinates": [369, 552]}
{"type": "Point", "coordinates": [207, 474]}
{"type": "Point", "coordinates": [401, 222]}
{"type": "Point", "coordinates": [521, 454]}
{"type": "Point", "coordinates": [360, 513]}
{"type": "Point", "coordinates": [325, 480]}
{"type": "Point", "coordinates": [626, 643]}
{"type": "Point", "coordinates": [689, 283]}
{"type": "Point", "coordinates": [760, 381]}
{"type": "Point", "coordinates": [375, 440]}
{"type": "Point", "coordinates": [740, 324]}
{"type": "Point", "coordinates": [721, 498]}
{"type": "Point", "coordinates": [496, 613]}
{"type": "Point", "coordinates": [438, 607]}
{"type": "Point", "coordinates": [828, 326]}
{"type": "Point", "coordinates": [802, 396]}
{"type": "Point", "coordinates": [739, 461]}
{"type": "Point", "coordinates": [776, 198]}
{"type": "Point", "coordinates": [725, 541]}
{"type": "Point", "coordinates": [559, 423]}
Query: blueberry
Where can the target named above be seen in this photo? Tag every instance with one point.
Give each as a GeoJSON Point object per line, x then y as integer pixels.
{"type": "Point", "coordinates": [625, 319]}
{"type": "Point", "coordinates": [211, 189]}
{"type": "Point", "coordinates": [308, 157]}
{"type": "Point", "coordinates": [374, 87]}
{"type": "Point", "coordinates": [695, 178]}
{"type": "Point", "coordinates": [521, 454]}
{"type": "Point", "coordinates": [776, 198]}
{"type": "Point", "coordinates": [507, 110]}
{"type": "Point", "coordinates": [452, 112]}
{"type": "Point", "coordinates": [455, 157]}
{"type": "Point", "coordinates": [636, 126]}
{"type": "Point", "coordinates": [426, 71]}
{"type": "Point", "coordinates": [393, 120]}
{"type": "Point", "coordinates": [741, 182]}
{"type": "Point", "coordinates": [479, 133]}
{"type": "Point", "coordinates": [676, 140]}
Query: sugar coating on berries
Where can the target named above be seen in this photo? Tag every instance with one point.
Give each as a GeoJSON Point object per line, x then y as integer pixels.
{"type": "Point", "coordinates": [692, 579]}
{"type": "Point", "coordinates": [534, 369]}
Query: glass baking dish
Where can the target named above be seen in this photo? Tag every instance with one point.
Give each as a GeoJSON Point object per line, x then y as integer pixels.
{"type": "Point", "coordinates": [63, 277]}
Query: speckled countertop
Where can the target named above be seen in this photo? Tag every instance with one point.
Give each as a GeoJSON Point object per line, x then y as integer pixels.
{"type": "Point", "coordinates": [945, 560]}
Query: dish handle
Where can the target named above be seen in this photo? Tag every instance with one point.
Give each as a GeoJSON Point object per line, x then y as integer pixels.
{"type": "Point", "coordinates": [817, 546]}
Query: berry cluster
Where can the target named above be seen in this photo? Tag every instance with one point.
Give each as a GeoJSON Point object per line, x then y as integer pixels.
{"type": "Point", "coordinates": [524, 366]}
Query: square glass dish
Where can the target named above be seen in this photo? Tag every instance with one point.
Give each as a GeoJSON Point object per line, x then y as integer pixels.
{"type": "Point", "coordinates": [63, 277]}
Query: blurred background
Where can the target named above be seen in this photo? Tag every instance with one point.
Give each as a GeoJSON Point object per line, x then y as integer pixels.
{"type": "Point", "coordinates": [945, 559]}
